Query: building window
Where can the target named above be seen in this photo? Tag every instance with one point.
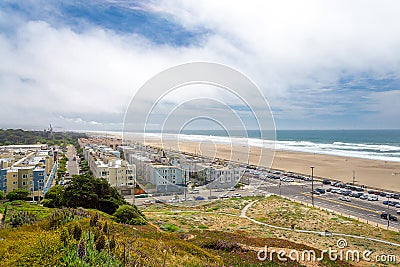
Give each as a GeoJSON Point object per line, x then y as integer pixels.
{"type": "Point", "coordinates": [23, 183]}
{"type": "Point", "coordinates": [41, 174]}
{"type": "Point", "coordinates": [15, 182]}
{"type": "Point", "coordinates": [24, 176]}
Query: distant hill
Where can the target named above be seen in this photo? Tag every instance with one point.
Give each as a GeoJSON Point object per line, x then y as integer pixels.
{"type": "Point", "coordinates": [22, 137]}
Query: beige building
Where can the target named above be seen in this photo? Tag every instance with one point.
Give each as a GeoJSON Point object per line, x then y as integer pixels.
{"type": "Point", "coordinates": [105, 163]}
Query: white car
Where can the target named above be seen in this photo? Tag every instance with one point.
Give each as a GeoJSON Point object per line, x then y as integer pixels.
{"type": "Point", "coordinates": [236, 195]}
{"type": "Point", "coordinates": [373, 198]}
{"type": "Point", "coordinates": [147, 202]}
{"type": "Point", "coordinates": [224, 196]}
{"type": "Point", "coordinates": [347, 199]}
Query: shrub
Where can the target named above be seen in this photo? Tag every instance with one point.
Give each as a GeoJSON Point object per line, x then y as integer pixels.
{"type": "Point", "coordinates": [130, 215]}
{"type": "Point", "coordinates": [18, 194]}
{"type": "Point", "coordinates": [77, 232]}
{"type": "Point", "coordinates": [81, 249]}
{"type": "Point", "coordinates": [100, 243]}
{"type": "Point", "coordinates": [94, 219]}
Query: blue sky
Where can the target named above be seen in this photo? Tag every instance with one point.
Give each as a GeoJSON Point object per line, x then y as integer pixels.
{"type": "Point", "coordinates": [77, 64]}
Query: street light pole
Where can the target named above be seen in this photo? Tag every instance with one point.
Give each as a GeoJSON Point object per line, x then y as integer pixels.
{"type": "Point", "coordinates": [312, 185]}
{"type": "Point", "coordinates": [388, 214]}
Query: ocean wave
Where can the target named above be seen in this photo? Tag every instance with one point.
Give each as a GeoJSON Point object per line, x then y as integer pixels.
{"type": "Point", "coordinates": [383, 152]}
{"type": "Point", "coordinates": [358, 150]}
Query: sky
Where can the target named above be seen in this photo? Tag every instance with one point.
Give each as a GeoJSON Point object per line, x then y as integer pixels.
{"type": "Point", "coordinates": [319, 64]}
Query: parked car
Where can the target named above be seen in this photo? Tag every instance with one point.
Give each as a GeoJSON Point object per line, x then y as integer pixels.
{"type": "Point", "coordinates": [212, 197]}
{"type": "Point", "coordinates": [199, 198]}
{"type": "Point", "coordinates": [320, 190]}
{"type": "Point", "coordinates": [384, 215]}
{"type": "Point", "coordinates": [356, 194]}
{"type": "Point", "coordinates": [287, 179]}
{"type": "Point", "coordinates": [363, 196]}
{"type": "Point", "coordinates": [315, 192]}
{"type": "Point", "coordinates": [385, 202]}
{"type": "Point", "coordinates": [372, 192]}
{"type": "Point", "coordinates": [236, 195]}
{"type": "Point", "coordinates": [347, 199]}
{"type": "Point", "coordinates": [224, 196]}
{"type": "Point", "coordinates": [147, 202]}
{"type": "Point", "coordinates": [373, 198]}
{"type": "Point", "coordinates": [326, 181]}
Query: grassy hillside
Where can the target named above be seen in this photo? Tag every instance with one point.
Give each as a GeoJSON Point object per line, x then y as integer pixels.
{"type": "Point", "coordinates": [209, 235]}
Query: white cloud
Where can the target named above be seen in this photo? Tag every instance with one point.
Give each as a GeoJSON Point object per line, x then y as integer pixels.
{"type": "Point", "coordinates": [291, 49]}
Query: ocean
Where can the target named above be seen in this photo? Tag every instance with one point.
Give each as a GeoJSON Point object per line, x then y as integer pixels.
{"type": "Point", "coordinates": [370, 144]}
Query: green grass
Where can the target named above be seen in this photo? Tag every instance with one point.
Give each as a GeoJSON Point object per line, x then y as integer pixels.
{"type": "Point", "coordinates": [19, 205]}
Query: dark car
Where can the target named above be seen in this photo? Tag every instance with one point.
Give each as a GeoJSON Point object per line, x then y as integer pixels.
{"type": "Point", "coordinates": [382, 194]}
{"type": "Point", "coordinates": [320, 190]}
{"type": "Point", "coordinates": [391, 217]}
{"type": "Point", "coordinates": [372, 192]}
{"type": "Point", "coordinates": [396, 196]}
{"type": "Point", "coordinates": [326, 181]}
{"type": "Point", "coordinates": [199, 198]}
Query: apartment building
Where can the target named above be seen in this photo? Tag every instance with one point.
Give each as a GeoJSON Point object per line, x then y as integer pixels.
{"type": "Point", "coordinates": [154, 171]}
{"type": "Point", "coordinates": [25, 166]}
{"type": "Point", "coordinates": [105, 163]}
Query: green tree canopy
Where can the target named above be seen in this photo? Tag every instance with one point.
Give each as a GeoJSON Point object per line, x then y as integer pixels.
{"type": "Point", "coordinates": [18, 194]}
{"type": "Point", "coordinates": [54, 197]}
{"type": "Point", "coordinates": [129, 214]}
{"type": "Point", "coordinates": [87, 192]}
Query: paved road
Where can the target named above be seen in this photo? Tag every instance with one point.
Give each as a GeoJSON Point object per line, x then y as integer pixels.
{"type": "Point", "coordinates": [72, 165]}
{"type": "Point", "coordinates": [364, 209]}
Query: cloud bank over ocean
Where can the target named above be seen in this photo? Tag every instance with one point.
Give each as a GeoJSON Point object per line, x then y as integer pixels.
{"type": "Point", "coordinates": [77, 64]}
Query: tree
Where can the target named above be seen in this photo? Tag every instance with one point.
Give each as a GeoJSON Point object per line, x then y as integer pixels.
{"type": "Point", "coordinates": [129, 214]}
{"type": "Point", "coordinates": [18, 194]}
{"type": "Point", "coordinates": [1, 195]}
{"type": "Point", "coordinates": [54, 197]}
{"type": "Point", "coordinates": [87, 192]}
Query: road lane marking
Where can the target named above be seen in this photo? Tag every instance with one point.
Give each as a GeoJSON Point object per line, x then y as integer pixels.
{"type": "Point", "coordinates": [342, 203]}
